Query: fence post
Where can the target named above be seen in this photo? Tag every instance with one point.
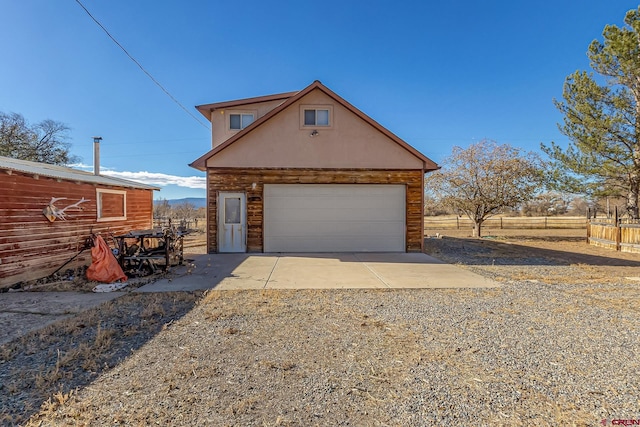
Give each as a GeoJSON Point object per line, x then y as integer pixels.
{"type": "Point", "coordinates": [618, 230]}
{"type": "Point", "coordinates": [588, 225]}
{"type": "Point", "coordinates": [457, 222]}
{"type": "Point", "coordinates": [500, 223]}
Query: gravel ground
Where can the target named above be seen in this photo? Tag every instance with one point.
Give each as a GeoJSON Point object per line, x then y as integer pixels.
{"type": "Point", "coordinates": [558, 347]}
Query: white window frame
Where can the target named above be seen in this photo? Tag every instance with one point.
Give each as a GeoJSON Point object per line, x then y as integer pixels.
{"type": "Point", "coordinates": [240, 113]}
{"type": "Point", "coordinates": [304, 108]}
{"type": "Point", "coordinates": [99, 192]}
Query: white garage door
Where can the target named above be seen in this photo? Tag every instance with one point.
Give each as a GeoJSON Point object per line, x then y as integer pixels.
{"type": "Point", "coordinates": [334, 218]}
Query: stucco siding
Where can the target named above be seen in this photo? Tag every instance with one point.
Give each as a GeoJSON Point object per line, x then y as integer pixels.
{"type": "Point", "coordinates": [220, 131]}
{"type": "Point", "coordinates": [349, 142]}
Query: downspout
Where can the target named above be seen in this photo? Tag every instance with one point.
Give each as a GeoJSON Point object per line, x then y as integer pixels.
{"type": "Point", "coordinates": [422, 207]}
{"type": "Point", "coordinates": [207, 213]}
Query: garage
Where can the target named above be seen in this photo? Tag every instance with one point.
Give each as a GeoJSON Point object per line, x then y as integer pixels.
{"type": "Point", "coordinates": [334, 218]}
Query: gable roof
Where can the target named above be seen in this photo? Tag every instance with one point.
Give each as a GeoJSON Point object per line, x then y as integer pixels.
{"type": "Point", "coordinates": [69, 174]}
{"type": "Point", "coordinates": [291, 98]}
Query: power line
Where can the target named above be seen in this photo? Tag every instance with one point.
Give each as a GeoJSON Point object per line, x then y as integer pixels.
{"type": "Point", "coordinates": [140, 66]}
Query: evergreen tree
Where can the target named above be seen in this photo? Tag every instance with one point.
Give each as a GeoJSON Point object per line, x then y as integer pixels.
{"type": "Point", "coordinates": [602, 119]}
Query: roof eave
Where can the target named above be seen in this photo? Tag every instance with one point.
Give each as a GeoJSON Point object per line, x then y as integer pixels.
{"type": "Point", "coordinates": [207, 109]}
{"type": "Point", "coordinates": [201, 162]}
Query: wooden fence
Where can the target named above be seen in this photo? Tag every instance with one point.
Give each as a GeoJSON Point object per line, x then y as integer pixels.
{"type": "Point", "coordinates": [621, 236]}
{"type": "Point", "coordinates": [184, 224]}
{"type": "Point", "coordinates": [543, 222]}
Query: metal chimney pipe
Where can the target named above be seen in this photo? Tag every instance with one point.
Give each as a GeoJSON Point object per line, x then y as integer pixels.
{"type": "Point", "coordinates": [96, 154]}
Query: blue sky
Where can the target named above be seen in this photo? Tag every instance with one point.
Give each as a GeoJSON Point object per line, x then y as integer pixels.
{"type": "Point", "coordinates": [437, 74]}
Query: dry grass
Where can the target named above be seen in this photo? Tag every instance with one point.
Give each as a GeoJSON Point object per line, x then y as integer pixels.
{"type": "Point", "coordinates": [610, 279]}
{"type": "Point", "coordinates": [551, 256]}
{"type": "Point", "coordinates": [48, 364]}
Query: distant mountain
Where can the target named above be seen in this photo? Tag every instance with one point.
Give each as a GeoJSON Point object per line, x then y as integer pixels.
{"type": "Point", "coordinates": [198, 202]}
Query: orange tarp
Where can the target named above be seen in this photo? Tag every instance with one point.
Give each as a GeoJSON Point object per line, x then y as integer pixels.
{"type": "Point", "coordinates": [104, 266]}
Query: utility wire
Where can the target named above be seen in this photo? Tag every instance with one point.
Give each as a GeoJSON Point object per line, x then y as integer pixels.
{"type": "Point", "coordinates": [141, 67]}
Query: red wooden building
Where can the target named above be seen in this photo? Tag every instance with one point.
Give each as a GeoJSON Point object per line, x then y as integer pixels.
{"type": "Point", "coordinates": [47, 212]}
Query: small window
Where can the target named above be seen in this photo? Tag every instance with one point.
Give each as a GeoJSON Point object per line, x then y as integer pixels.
{"type": "Point", "coordinates": [240, 121]}
{"type": "Point", "coordinates": [232, 210]}
{"type": "Point", "coordinates": [111, 204]}
{"type": "Point", "coordinates": [316, 117]}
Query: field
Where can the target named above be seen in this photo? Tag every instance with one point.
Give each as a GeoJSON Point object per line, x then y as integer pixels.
{"type": "Point", "coordinates": [518, 227]}
{"type": "Point", "coordinates": [550, 347]}
{"type": "Point", "coordinates": [570, 234]}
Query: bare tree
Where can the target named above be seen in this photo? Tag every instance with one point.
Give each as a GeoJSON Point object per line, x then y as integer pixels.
{"type": "Point", "coordinates": [434, 206]}
{"type": "Point", "coordinates": [162, 209]}
{"type": "Point", "coordinates": [185, 212]}
{"type": "Point", "coordinates": [45, 142]}
{"type": "Point", "coordinates": [579, 205]}
{"type": "Point", "coordinates": [547, 204]}
{"type": "Point", "coordinates": [14, 135]}
{"type": "Point", "coordinates": [486, 178]}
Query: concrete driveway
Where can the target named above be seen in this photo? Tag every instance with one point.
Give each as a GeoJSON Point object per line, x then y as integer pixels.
{"type": "Point", "coordinates": [317, 271]}
{"type": "Point", "coordinates": [21, 312]}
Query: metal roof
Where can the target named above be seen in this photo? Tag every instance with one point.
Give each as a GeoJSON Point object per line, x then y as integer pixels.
{"type": "Point", "coordinates": [69, 174]}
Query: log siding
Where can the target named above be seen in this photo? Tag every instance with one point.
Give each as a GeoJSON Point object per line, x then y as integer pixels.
{"type": "Point", "coordinates": [242, 180]}
{"type": "Point", "coordinates": [31, 247]}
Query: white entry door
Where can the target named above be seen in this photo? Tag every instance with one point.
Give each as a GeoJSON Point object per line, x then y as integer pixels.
{"type": "Point", "coordinates": [232, 230]}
